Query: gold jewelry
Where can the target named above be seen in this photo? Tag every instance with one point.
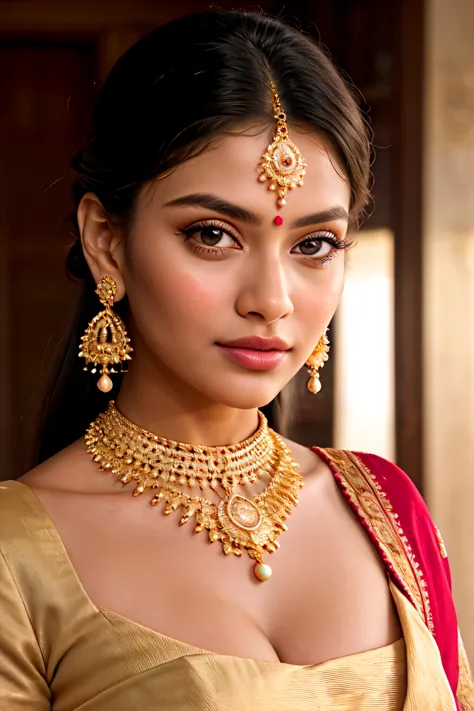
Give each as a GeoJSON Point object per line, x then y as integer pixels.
{"type": "Point", "coordinates": [239, 523]}
{"type": "Point", "coordinates": [105, 341]}
{"type": "Point", "coordinates": [282, 163]}
{"type": "Point", "coordinates": [316, 361]}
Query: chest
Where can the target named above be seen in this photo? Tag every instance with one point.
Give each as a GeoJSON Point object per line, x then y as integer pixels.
{"type": "Point", "coordinates": [328, 595]}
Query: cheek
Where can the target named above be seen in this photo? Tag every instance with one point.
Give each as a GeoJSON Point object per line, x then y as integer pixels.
{"type": "Point", "coordinates": [317, 302]}
{"type": "Point", "coordinates": [187, 297]}
{"type": "Point", "coordinates": [334, 288]}
{"type": "Point", "coordinates": [177, 298]}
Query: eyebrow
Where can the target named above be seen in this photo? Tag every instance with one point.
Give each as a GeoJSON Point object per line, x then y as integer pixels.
{"type": "Point", "coordinates": [213, 202]}
{"type": "Point", "coordinates": [334, 213]}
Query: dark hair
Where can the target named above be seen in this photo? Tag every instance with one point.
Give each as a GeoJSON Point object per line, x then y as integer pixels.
{"type": "Point", "coordinates": [174, 91]}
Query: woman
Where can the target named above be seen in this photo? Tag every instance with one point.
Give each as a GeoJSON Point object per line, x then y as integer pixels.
{"type": "Point", "coordinates": [226, 162]}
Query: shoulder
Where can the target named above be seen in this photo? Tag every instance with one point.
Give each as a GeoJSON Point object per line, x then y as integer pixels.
{"type": "Point", "coordinates": [25, 524]}
{"type": "Point", "coordinates": [22, 529]}
{"type": "Point", "coordinates": [24, 532]}
{"type": "Point", "coordinates": [18, 507]}
{"type": "Point", "coordinates": [404, 498]}
{"type": "Point", "coordinates": [21, 506]}
{"type": "Point", "coordinates": [382, 488]}
{"type": "Point", "coordinates": [397, 497]}
{"type": "Point", "coordinates": [394, 481]}
{"type": "Point", "coordinates": [380, 476]}
{"type": "Point", "coordinates": [70, 471]}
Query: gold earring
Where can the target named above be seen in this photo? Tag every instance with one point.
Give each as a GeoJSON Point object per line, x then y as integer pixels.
{"type": "Point", "coordinates": [105, 341]}
{"type": "Point", "coordinates": [316, 361]}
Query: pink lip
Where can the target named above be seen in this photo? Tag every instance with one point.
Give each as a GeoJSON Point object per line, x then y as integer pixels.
{"type": "Point", "coordinates": [258, 343]}
{"type": "Point", "coordinates": [254, 359]}
{"type": "Point", "coordinates": [256, 352]}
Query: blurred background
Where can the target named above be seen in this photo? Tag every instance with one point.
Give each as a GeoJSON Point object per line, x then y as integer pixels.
{"type": "Point", "coordinates": [400, 380]}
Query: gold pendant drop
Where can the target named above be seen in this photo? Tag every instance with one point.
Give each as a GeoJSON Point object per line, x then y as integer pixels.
{"type": "Point", "coordinates": [240, 524]}
{"type": "Point", "coordinates": [262, 572]}
{"type": "Point", "coordinates": [315, 362]}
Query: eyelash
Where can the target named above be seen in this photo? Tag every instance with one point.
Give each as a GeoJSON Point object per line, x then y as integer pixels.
{"type": "Point", "coordinates": [319, 236]}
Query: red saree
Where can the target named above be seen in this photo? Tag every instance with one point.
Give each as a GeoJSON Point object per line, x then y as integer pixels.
{"type": "Point", "coordinates": [396, 518]}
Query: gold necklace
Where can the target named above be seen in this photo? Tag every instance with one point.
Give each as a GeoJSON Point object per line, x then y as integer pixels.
{"type": "Point", "coordinates": [240, 524]}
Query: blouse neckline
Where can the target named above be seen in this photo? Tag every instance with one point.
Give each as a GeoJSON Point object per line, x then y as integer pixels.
{"type": "Point", "coordinates": [35, 501]}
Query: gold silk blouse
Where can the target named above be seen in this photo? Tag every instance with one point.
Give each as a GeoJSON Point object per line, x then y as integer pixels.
{"type": "Point", "coordinates": [59, 651]}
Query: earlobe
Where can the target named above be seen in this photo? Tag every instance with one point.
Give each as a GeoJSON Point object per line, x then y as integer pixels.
{"type": "Point", "coordinates": [100, 242]}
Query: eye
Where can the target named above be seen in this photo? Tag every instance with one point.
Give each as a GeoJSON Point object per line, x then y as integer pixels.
{"type": "Point", "coordinates": [213, 237]}
{"type": "Point", "coordinates": [210, 235]}
{"type": "Point", "coordinates": [322, 245]}
{"type": "Point", "coordinates": [313, 247]}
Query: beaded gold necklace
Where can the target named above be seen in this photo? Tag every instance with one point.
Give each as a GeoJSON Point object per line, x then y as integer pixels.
{"type": "Point", "coordinates": [239, 523]}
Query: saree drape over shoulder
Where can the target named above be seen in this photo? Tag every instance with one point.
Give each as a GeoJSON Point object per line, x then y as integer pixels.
{"type": "Point", "coordinates": [59, 651]}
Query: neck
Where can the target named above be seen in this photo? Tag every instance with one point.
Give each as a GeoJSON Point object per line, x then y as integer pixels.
{"type": "Point", "coordinates": [173, 410]}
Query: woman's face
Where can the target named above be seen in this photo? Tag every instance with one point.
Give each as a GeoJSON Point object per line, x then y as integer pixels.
{"type": "Point", "coordinates": [208, 267]}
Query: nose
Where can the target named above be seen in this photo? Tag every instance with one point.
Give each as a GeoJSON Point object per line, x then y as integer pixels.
{"type": "Point", "coordinates": [265, 294]}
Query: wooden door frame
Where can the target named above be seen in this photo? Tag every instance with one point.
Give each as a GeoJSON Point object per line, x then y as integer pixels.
{"type": "Point", "coordinates": [5, 370]}
{"type": "Point", "coordinates": [407, 220]}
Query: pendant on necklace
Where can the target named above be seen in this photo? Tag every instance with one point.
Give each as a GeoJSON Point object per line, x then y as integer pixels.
{"type": "Point", "coordinates": [243, 513]}
{"type": "Point", "coordinates": [245, 525]}
{"type": "Point", "coordinates": [262, 571]}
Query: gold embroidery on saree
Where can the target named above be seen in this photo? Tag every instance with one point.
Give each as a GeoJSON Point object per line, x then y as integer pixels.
{"type": "Point", "coordinates": [442, 547]}
{"type": "Point", "coordinates": [375, 510]}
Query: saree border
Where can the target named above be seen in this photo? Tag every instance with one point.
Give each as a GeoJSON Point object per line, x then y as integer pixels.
{"type": "Point", "coordinates": [375, 511]}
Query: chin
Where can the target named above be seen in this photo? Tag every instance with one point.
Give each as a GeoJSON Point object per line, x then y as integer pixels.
{"type": "Point", "coordinates": [246, 395]}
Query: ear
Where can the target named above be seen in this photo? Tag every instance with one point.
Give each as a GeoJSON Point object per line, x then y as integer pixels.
{"type": "Point", "coordinates": [102, 243]}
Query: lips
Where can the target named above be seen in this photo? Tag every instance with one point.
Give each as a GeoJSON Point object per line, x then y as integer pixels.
{"type": "Point", "coordinates": [256, 352]}
{"type": "Point", "coordinates": [258, 343]}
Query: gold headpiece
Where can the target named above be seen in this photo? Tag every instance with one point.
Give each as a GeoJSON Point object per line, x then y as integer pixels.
{"type": "Point", "coordinates": [282, 163]}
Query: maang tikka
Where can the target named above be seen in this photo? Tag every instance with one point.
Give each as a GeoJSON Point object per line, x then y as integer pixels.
{"type": "Point", "coordinates": [282, 163]}
{"type": "Point", "coordinates": [316, 361]}
{"type": "Point", "coordinates": [105, 342]}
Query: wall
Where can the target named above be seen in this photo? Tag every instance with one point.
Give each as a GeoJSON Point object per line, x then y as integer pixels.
{"type": "Point", "coordinates": [449, 289]}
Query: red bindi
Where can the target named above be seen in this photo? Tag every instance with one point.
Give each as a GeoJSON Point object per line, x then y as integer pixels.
{"type": "Point", "coordinates": [278, 220]}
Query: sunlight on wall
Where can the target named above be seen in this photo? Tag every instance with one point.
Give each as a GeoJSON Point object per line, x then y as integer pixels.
{"type": "Point", "coordinates": [364, 360]}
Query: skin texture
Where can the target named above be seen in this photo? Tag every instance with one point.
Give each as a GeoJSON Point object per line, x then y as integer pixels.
{"type": "Point", "coordinates": [328, 596]}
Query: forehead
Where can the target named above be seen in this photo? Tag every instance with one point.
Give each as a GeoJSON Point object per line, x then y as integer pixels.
{"type": "Point", "coordinates": [229, 168]}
